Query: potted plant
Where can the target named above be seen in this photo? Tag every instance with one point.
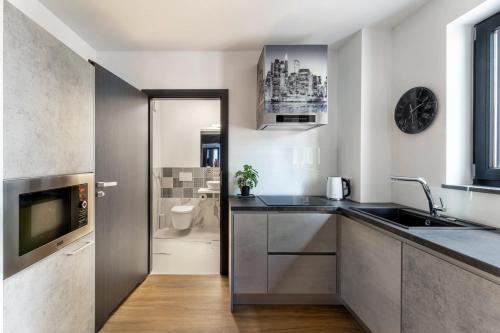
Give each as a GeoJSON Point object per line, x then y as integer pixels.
{"type": "Point", "coordinates": [246, 179]}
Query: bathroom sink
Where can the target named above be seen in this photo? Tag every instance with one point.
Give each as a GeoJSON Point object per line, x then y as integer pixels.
{"type": "Point", "coordinates": [409, 218]}
{"type": "Point", "coordinates": [213, 184]}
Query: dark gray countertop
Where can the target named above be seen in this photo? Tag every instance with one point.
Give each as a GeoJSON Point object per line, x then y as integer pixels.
{"type": "Point", "coordinates": [256, 205]}
{"type": "Point", "coordinates": [477, 248]}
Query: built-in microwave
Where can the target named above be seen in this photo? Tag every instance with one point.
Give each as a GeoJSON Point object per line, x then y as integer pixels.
{"type": "Point", "coordinates": [42, 215]}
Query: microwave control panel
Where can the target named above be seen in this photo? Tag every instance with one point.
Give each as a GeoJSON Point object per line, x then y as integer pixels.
{"type": "Point", "coordinates": [82, 204]}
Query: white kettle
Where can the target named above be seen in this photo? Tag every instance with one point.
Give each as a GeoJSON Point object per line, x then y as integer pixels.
{"type": "Point", "coordinates": [338, 188]}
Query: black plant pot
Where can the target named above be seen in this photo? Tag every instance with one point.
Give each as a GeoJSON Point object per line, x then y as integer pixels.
{"type": "Point", "coordinates": [245, 191]}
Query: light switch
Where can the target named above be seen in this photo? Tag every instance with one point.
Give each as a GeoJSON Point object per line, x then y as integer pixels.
{"type": "Point", "coordinates": [186, 176]}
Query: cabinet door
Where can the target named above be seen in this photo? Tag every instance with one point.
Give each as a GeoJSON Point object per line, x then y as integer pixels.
{"type": "Point", "coordinates": [249, 253]}
{"type": "Point", "coordinates": [55, 294]}
{"type": "Point", "coordinates": [370, 276]}
{"type": "Point", "coordinates": [302, 233]}
{"type": "Point", "coordinates": [306, 274]}
{"type": "Point", "coordinates": [441, 297]}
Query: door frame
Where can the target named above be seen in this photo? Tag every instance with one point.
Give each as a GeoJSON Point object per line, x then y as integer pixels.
{"type": "Point", "coordinates": [223, 96]}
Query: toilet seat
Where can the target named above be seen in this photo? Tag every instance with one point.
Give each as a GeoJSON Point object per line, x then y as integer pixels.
{"type": "Point", "coordinates": [182, 209]}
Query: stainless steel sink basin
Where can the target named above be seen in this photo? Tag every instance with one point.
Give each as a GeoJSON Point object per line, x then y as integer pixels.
{"type": "Point", "coordinates": [409, 218]}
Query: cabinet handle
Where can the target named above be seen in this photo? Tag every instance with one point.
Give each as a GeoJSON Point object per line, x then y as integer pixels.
{"type": "Point", "coordinates": [81, 248]}
{"type": "Point", "coordinates": [107, 184]}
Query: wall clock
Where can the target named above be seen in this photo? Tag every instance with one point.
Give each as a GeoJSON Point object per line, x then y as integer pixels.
{"type": "Point", "coordinates": [415, 110]}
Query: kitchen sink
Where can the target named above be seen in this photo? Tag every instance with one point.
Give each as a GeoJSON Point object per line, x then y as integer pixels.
{"type": "Point", "coordinates": [410, 219]}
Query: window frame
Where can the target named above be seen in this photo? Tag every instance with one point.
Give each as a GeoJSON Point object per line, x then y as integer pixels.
{"type": "Point", "coordinates": [483, 173]}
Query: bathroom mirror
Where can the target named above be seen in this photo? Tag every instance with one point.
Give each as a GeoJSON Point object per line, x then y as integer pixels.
{"type": "Point", "coordinates": [210, 148]}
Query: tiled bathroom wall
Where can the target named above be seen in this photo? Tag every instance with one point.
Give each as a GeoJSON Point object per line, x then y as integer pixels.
{"type": "Point", "coordinates": [172, 187]}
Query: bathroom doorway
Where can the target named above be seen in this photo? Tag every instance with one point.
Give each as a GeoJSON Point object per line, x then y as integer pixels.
{"type": "Point", "coordinates": [189, 204]}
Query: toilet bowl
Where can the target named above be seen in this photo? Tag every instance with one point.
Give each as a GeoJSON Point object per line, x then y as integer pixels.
{"type": "Point", "coordinates": [183, 216]}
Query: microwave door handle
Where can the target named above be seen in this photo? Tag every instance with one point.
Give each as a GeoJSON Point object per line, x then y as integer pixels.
{"type": "Point", "coordinates": [80, 249]}
{"type": "Point", "coordinates": [106, 184]}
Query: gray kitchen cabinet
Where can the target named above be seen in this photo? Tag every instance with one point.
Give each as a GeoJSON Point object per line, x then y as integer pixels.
{"type": "Point", "coordinates": [302, 274]}
{"type": "Point", "coordinates": [48, 103]}
{"type": "Point", "coordinates": [438, 296]}
{"type": "Point", "coordinates": [302, 233]}
{"type": "Point", "coordinates": [370, 276]}
{"type": "Point", "coordinates": [55, 294]}
{"type": "Point", "coordinates": [249, 251]}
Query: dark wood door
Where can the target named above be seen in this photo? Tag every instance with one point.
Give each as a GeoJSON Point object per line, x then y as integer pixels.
{"type": "Point", "coordinates": [121, 156]}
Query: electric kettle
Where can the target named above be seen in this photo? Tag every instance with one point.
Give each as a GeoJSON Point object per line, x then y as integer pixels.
{"type": "Point", "coordinates": [338, 188]}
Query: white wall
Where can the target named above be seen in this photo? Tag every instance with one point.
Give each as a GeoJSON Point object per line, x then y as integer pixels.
{"type": "Point", "coordinates": [376, 64]}
{"type": "Point", "coordinates": [281, 157]}
{"type": "Point", "coordinates": [180, 123]}
{"type": "Point", "coordinates": [349, 113]}
{"type": "Point", "coordinates": [419, 54]}
{"type": "Point", "coordinates": [363, 114]}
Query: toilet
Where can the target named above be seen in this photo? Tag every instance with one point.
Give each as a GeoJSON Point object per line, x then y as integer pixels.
{"type": "Point", "coordinates": [183, 216]}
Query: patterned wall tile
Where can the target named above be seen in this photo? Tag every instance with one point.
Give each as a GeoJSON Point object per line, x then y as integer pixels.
{"type": "Point", "coordinates": [166, 192]}
{"type": "Point", "coordinates": [177, 192]}
{"type": "Point", "coordinates": [167, 182]}
{"type": "Point", "coordinates": [187, 192]}
{"type": "Point", "coordinates": [172, 187]}
{"type": "Point", "coordinates": [210, 173]}
{"type": "Point", "coordinates": [213, 172]}
{"type": "Point", "coordinates": [198, 172]}
{"type": "Point", "coordinates": [175, 172]}
{"type": "Point", "coordinates": [198, 182]}
{"type": "Point", "coordinates": [167, 172]}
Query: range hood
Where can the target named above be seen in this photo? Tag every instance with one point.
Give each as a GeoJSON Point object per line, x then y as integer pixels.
{"type": "Point", "coordinates": [292, 87]}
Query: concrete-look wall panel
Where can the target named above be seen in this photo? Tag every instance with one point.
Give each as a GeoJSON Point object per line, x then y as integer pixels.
{"type": "Point", "coordinates": [48, 102]}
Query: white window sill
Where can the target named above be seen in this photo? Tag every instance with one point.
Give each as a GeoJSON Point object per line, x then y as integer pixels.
{"type": "Point", "coordinates": [473, 188]}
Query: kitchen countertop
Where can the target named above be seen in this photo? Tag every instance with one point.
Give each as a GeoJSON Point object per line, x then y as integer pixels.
{"type": "Point", "coordinates": [256, 205]}
{"type": "Point", "coordinates": [477, 248]}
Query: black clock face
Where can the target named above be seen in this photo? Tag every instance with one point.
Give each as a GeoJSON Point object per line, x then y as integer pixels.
{"type": "Point", "coordinates": [415, 110]}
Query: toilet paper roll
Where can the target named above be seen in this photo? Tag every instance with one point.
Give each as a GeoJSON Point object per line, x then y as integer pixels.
{"type": "Point", "coordinates": [203, 197]}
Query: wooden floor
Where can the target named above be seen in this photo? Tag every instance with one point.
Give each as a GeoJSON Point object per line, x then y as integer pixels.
{"type": "Point", "coordinates": [173, 303]}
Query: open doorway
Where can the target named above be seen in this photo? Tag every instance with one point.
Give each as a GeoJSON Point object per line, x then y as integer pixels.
{"type": "Point", "coordinates": [189, 204]}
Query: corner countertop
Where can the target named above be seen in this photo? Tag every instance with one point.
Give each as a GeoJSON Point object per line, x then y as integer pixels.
{"type": "Point", "coordinates": [477, 248]}
{"type": "Point", "coordinates": [255, 204]}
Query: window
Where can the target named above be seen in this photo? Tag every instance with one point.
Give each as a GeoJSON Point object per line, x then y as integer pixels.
{"type": "Point", "coordinates": [487, 102]}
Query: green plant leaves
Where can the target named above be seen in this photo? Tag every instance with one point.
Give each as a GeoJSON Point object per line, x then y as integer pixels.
{"type": "Point", "coordinates": [247, 177]}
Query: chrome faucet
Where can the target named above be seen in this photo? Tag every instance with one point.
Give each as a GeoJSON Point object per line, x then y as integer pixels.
{"type": "Point", "coordinates": [434, 209]}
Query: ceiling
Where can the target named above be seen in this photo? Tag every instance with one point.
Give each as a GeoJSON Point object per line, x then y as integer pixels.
{"type": "Point", "coordinates": [154, 25]}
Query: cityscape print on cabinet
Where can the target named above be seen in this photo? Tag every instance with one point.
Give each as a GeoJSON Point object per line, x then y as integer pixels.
{"type": "Point", "coordinates": [294, 78]}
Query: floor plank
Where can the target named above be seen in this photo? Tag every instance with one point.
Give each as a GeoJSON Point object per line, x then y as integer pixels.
{"type": "Point", "coordinates": [185, 304]}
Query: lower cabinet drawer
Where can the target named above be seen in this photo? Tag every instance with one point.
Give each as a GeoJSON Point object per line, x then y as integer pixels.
{"type": "Point", "coordinates": [302, 232]}
{"type": "Point", "coordinates": [302, 274]}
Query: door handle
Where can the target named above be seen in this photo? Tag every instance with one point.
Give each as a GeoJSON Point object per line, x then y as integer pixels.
{"type": "Point", "coordinates": [106, 184]}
